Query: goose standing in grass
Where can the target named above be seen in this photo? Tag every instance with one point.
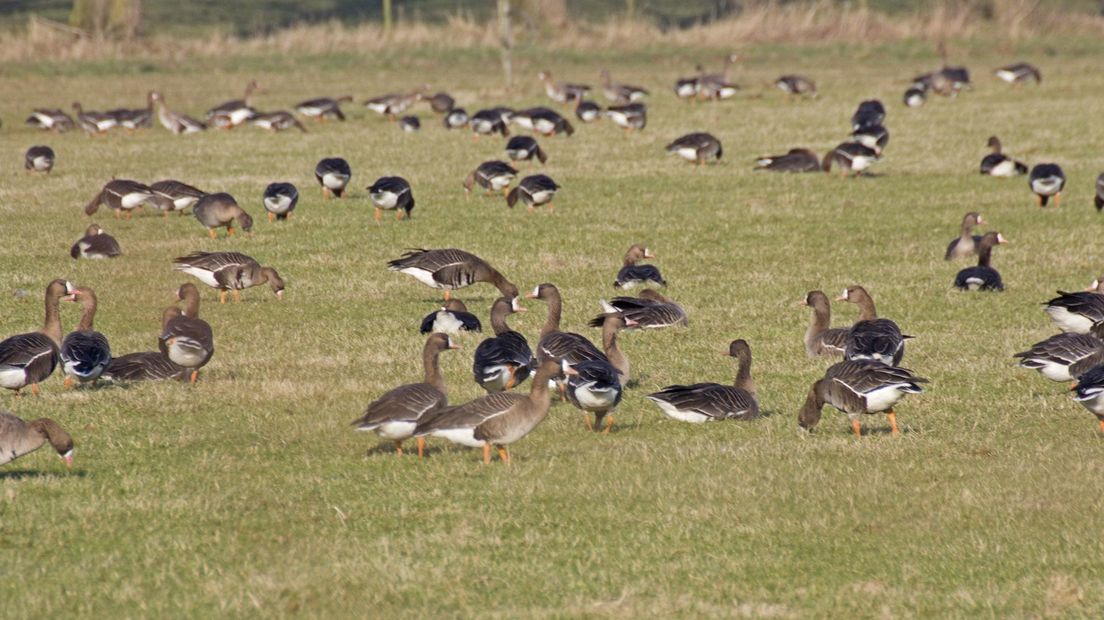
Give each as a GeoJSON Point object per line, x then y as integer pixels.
{"type": "Point", "coordinates": [915, 97]}
{"type": "Point", "coordinates": [39, 159]}
{"type": "Point", "coordinates": [176, 196]}
{"type": "Point", "coordinates": [456, 118]}
{"type": "Point", "coordinates": [1098, 199]}
{"type": "Point", "coordinates": [796, 86]}
{"type": "Point", "coordinates": [396, 413]}
{"type": "Point", "coordinates": [850, 157]}
{"type": "Point", "coordinates": [504, 360]}
{"type": "Point", "coordinates": [612, 324]}
{"type": "Point", "coordinates": [1080, 312]}
{"type": "Point", "coordinates": [562, 92]}
{"type": "Point", "coordinates": [1019, 73]}
{"type": "Point", "coordinates": [595, 387]}
{"type": "Point", "coordinates": [534, 191]}
{"type": "Point", "coordinates": [688, 88]}
{"type": "Point", "coordinates": [556, 344]}
{"type": "Point", "coordinates": [236, 111]}
{"type": "Point", "coordinates": [173, 121]}
{"type": "Point", "coordinates": [123, 196]}
{"type": "Point", "coordinates": [717, 86]}
{"type": "Point", "coordinates": [451, 319]}
{"type": "Point", "coordinates": [449, 269]}
{"type": "Point", "coordinates": [27, 359]}
{"type": "Point", "coordinates": [707, 402]}
{"type": "Point", "coordinates": [544, 121]}
{"type": "Point", "coordinates": [85, 352]}
{"type": "Point", "coordinates": [967, 242]}
{"type": "Point", "coordinates": [410, 124]}
{"type": "Point", "coordinates": [333, 174]}
{"type": "Point", "coordinates": [631, 117]}
{"type": "Point", "coordinates": [493, 176]}
{"type": "Point", "coordinates": [497, 419]}
{"type": "Point", "coordinates": [997, 164]}
{"type": "Point", "coordinates": [871, 337]}
{"type": "Point", "coordinates": [95, 244]}
{"type": "Point", "coordinates": [488, 122]}
{"type": "Point", "coordinates": [93, 123]}
{"type": "Point", "coordinates": [19, 438]}
{"type": "Point", "coordinates": [277, 121]}
{"type": "Point", "coordinates": [821, 339]}
{"type": "Point", "coordinates": [135, 118]}
{"type": "Point", "coordinates": [857, 388]}
{"type": "Point", "coordinates": [145, 366]}
{"type": "Point", "coordinates": [280, 200]}
{"type": "Point", "coordinates": [1089, 391]}
{"type": "Point", "coordinates": [650, 310]}
{"type": "Point", "coordinates": [50, 119]}
{"type": "Point", "coordinates": [221, 210]}
{"type": "Point", "coordinates": [441, 103]}
{"type": "Point", "coordinates": [1063, 357]}
{"type": "Point", "coordinates": [634, 274]}
{"type": "Point", "coordinates": [874, 137]}
{"type": "Point", "coordinates": [323, 107]}
{"type": "Point", "coordinates": [525, 148]}
{"type": "Point", "coordinates": [185, 338]}
{"type": "Point", "coordinates": [620, 94]}
{"type": "Point", "coordinates": [229, 272]}
{"type": "Point", "coordinates": [1046, 181]}
{"type": "Point", "coordinates": [392, 194]}
{"type": "Point", "coordinates": [870, 112]}
{"type": "Point", "coordinates": [795, 160]}
{"type": "Point", "coordinates": [697, 147]}
{"type": "Point", "coordinates": [587, 111]}
{"type": "Point", "coordinates": [982, 277]}
{"type": "Point", "coordinates": [394, 104]}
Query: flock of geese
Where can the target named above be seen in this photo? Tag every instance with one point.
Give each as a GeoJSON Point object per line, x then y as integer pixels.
{"type": "Point", "coordinates": [866, 379]}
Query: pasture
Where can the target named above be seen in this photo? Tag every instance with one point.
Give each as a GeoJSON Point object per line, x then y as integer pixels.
{"type": "Point", "coordinates": [249, 495]}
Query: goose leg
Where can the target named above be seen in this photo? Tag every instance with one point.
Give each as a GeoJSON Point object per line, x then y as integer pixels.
{"type": "Point", "coordinates": [325, 193]}
{"type": "Point", "coordinates": [550, 208]}
{"type": "Point", "coordinates": [68, 382]}
{"type": "Point", "coordinates": [448, 294]}
{"type": "Point", "coordinates": [378, 215]}
{"type": "Point", "coordinates": [229, 231]}
{"type": "Point", "coordinates": [893, 423]}
{"type": "Point", "coordinates": [195, 377]}
{"type": "Point", "coordinates": [486, 454]}
{"type": "Point", "coordinates": [589, 424]}
{"type": "Point", "coordinates": [1057, 199]}
{"type": "Point", "coordinates": [271, 216]}
{"type": "Point", "coordinates": [211, 233]}
{"type": "Point", "coordinates": [857, 427]}
{"type": "Point", "coordinates": [34, 389]}
{"type": "Point", "coordinates": [1038, 200]}
{"type": "Point", "coordinates": [237, 295]}
{"type": "Point", "coordinates": [222, 296]}
{"type": "Point", "coordinates": [1102, 426]}
{"type": "Point", "coordinates": [398, 447]}
{"type": "Point", "coordinates": [421, 447]}
{"type": "Point", "coordinates": [512, 381]}
{"type": "Point", "coordinates": [504, 455]}
{"type": "Point", "coordinates": [398, 214]}
{"type": "Point", "coordinates": [609, 425]}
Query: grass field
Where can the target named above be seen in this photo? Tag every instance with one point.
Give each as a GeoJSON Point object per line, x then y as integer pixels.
{"type": "Point", "coordinates": [249, 495]}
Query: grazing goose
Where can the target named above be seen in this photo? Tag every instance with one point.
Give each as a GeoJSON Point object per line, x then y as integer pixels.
{"type": "Point", "coordinates": [1019, 73]}
{"type": "Point", "coordinates": [277, 121]}
{"type": "Point", "coordinates": [796, 86]}
{"type": "Point", "coordinates": [185, 338]}
{"type": "Point", "coordinates": [871, 337]}
{"type": "Point", "coordinates": [504, 360]}
{"type": "Point", "coordinates": [93, 123]}
{"type": "Point", "coordinates": [145, 366]}
{"type": "Point", "coordinates": [394, 104]}
{"type": "Point", "coordinates": [858, 387]}
{"type": "Point", "coordinates": [707, 402]}
{"type": "Point", "coordinates": [451, 319]}
{"type": "Point", "coordinates": [85, 352]}
{"type": "Point", "coordinates": [821, 339]}
{"type": "Point", "coordinates": [795, 160]}
{"type": "Point", "coordinates": [688, 89]}
{"type": "Point", "coordinates": [651, 310]}
{"type": "Point", "coordinates": [544, 121]}
{"type": "Point", "coordinates": [697, 147]}
{"type": "Point", "coordinates": [219, 210]}
{"type": "Point", "coordinates": [123, 196]}
{"type": "Point", "coordinates": [488, 122]}
{"type": "Point", "coordinates": [27, 359]}
{"type": "Point", "coordinates": [410, 124]}
{"type": "Point", "coordinates": [229, 272]}
{"type": "Point", "coordinates": [178, 196]}
{"type": "Point", "coordinates": [51, 120]}
{"type": "Point", "coordinates": [236, 111]}
{"type": "Point", "coordinates": [39, 159]}
{"type": "Point", "coordinates": [595, 387]}
{"type": "Point", "coordinates": [1080, 312]}
{"type": "Point", "coordinates": [322, 108]}
{"type": "Point", "coordinates": [136, 118]}
{"type": "Point", "coordinates": [441, 103]}
{"type": "Point", "coordinates": [1098, 199]}
{"type": "Point", "coordinates": [534, 191]}
{"type": "Point", "coordinates": [497, 419]}
{"type": "Point", "coordinates": [870, 112]}
{"type": "Point", "coordinates": [915, 97]}
{"type": "Point", "coordinates": [19, 438]}
{"type": "Point", "coordinates": [525, 148]}
{"type": "Point", "coordinates": [174, 122]}
{"type": "Point", "coordinates": [333, 175]}
{"type": "Point", "coordinates": [874, 137]}
{"type": "Point", "coordinates": [280, 200]}
{"type": "Point", "coordinates": [587, 111]}
{"type": "Point", "coordinates": [633, 116]}
{"type": "Point", "coordinates": [396, 413]}
{"type": "Point", "coordinates": [982, 277]}
{"type": "Point", "coordinates": [1089, 391]}
{"type": "Point", "coordinates": [561, 92]}
{"type": "Point", "coordinates": [450, 269]}
{"type": "Point", "coordinates": [997, 164]}
{"type": "Point", "coordinates": [493, 176]}
{"type": "Point", "coordinates": [715, 86]}
{"type": "Point", "coordinates": [456, 118]}
{"type": "Point", "coordinates": [620, 94]}
{"type": "Point", "coordinates": [1047, 180]}
{"type": "Point", "coordinates": [95, 244]}
{"type": "Point", "coordinates": [967, 242]}
{"type": "Point", "coordinates": [850, 157]}
{"type": "Point", "coordinates": [1063, 357]}
{"type": "Point", "coordinates": [633, 274]}
{"type": "Point", "coordinates": [393, 194]}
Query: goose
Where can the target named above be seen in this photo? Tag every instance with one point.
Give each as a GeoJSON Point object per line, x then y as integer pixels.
{"type": "Point", "coordinates": [95, 244]}
{"type": "Point", "coordinates": [870, 112]}
{"type": "Point", "coordinates": [997, 164]}
{"type": "Point", "coordinates": [456, 118]}
{"type": "Point", "coordinates": [505, 360]}
{"type": "Point", "coordinates": [587, 111]}
{"type": "Point", "coordinates": [620, 94]}
{"type": "Point", "coordinates": [236, 111]}
{"type": "Point", "coordinates": [633, 274]}
{"type": "Point", "coordinates": [982, 277]}
{"type": "Point", "coordinates": [178, 196]}
{"type": "Point", "coordinates": [410, 124]}
{"type": "Point", "coordinates": [633, 116]}
{"type": "Point", "coordinates": [333, 175]}
{"type": "Point", "coordinates": [595, 387]}
{"type": "Point", "coordinates": [561, 92]}
{"type": "Point", "coordinates": [525, 148]}
{"type": "Point", "coordinates": [93, 123]}
{"type": "Point", "coordinates": [821, 339]}
{"type": "Point", "coordinates": [688, 89]}
{"type": "Point", "coordinates": [123, 196]}
{"type": "Point", "coordinates": [1098, 199]}
{"type": "Point", "coordinates": [173, 121]}
{"type": "Point", "coordinates": [39, 159]}
{"type": "Point", "coordinates": [796, 86]}
{"type": "Point", "coordinates": [967, 242]}
{"type": "Point", "coordinates": [708, 402]}
{"type": "Point", "coordinates": [493, 176]}
{"type": "Point", "coordinates": [136, 118]}
{"type": "Point", "coordinates": [229, 272]}
{"type": "Point", "coordinates": [1089, 391]}
{"type": "Point", "coordinates": [451, 319]}
{"type": "Point", "coordinates": [393, 194]}
{"type": "Point", "coordinates": [651, 310]}
{"type": "Point", "coordinates": [277, 121]}
{"type": "Point", "coordinates": [441, 103]}
{"type": "Point", "coordinates": [544, 121]}
{"type": "Point", "coordinates": [323, 107]}
{"type": "Point", "coordinates": [488, 122]}
{"type": "Point", "coordinates": [219, 210]}
{"type": "Point", "coordinates": [394, 104]}
{"type": "Point", "coordinates": [50, 120]}
{"type": "Point", "coordinates": [534, 191]}
{"type": "Point", "coordinates": [1079, 312]}
{"type": "Point", "coordinates": [497, 419]}
{"type": "Point", "coordinates": [185, 338]}
{"type": "Point", "coordinates": [858, 387]}
{"type": "Point", "coordinates": [1063, 357]}
{"type": "Point", "coordinates": [795, 160]}
{"type": "Point", "coordinates": [850, 157]}
{"type": "Point", "coordinates": [696, 147]}
{"type": "Point", "coordinates": [450, 269]}
{"type": "Point", "coordinates": [19, 438]}
{"type": "Point", "coordinates": [874, 137]}
{"type": "Point", "coordinates": [280, 200]}
{"type": "Point", "coordinates": [395, 414]}
{"type": "Point", "coordinates": [145, 366]}
{"type": "Point", "coordinates": [915, 97]}
{"type": "Point", "coordinates": [718, 85]}
{"type": "Point", "coordinates": [871, 337]}
{"type": "Point", "coordinates": [1047, 180]}
{"type": "Point", "coordinates": [575, 348]}
{"type": "Point", "coordinates": [27, 359]}
{"type": "Point", "coordinates": [611, 324]}
{"type": "Point", "coordinates": [85, 352]}
{"type": "Point", "coordinates": [1019, 73]}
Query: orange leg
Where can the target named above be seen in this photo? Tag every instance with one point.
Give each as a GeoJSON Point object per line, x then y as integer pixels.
{"type": "Point", "coordinates": [1039, 200]}
{"type": "Point", "coordinates": [448, 294]}
{"type": "Point", "coordinates": [398, 447]}
{"type": "Point", "coordinates": [609, 425]}
{"type": "Point", "coordinates": [398, 214]}
{"type": "Point", "coordinates": [229, 231]}
{"type": "Point", "coordinates": [550, 208]}
{"type": "Point", "coordinates": [506, 191]}
{"type": "Point", "coordinates": [857, 427]}
{"type": "Point", "coordinates": [325, 193]}
{"type": "Point", "coordinates": [504, 455]}
{"type": "Point", "coordinates": [34, 389]}
{"type": "Point", "coordinates": [1102, 426]}
{"type": "Point", "coordinates": [271, 216]}
{"type": "Point", "coordinates": [211, 233]}
{"type": "Point", "coordinates": [1057, 199]}
{"type": "Point", "coordinates": [530, 209]}
{"type": "Point", "coordinates": [893, 422]}
{"type": "Point", "coordinates": [195, 376]}
{"type": "Point", "coordinates": [222, 296]}
{"type": "Point", "coordinates": [512, 381]}
{"type": "Point", "coordinates": [116, 214]}
{"type": "Point", "coordinates": [486, 454]}
{"type": "Point", "coordinates": [589, 424]}
{"type": "Point", "coordinates": [379, 214]}
{"type": "Point", "coordinates": [164, 214]}
{"type": "Point", "coordinates": [68, 382]}
{"type": "Point", "coordinates": [421, 447]}
{"type": "Point", "coordinates": [237, 294]}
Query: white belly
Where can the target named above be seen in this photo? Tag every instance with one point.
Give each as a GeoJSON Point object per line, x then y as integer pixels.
{"type": "Point", "coordinates": [335, 181]}
{"type": "Point", "coordinates": [542, 197]}
{"type": "Point", "coordinates": [1046, 187]}
{"type": "Point", "coordinates": [619, 118]}
{"type": "Point", "coordinates": [688, 153]}
{"type": "Point", "coordinates": [86, 254]}
{"type": "Point", "coordinates": [203, 275]}
{"type": "Point", "coordinates": [385, 200]}
{"type": "Point", "coordinates": [498, 183]}
{"type": "Point", "coordinates": [592, 399]}
{"type": "Point", "coordinates": [447, 323]}
{"type": "Point", "coordinates": [683, 416]}
{"type": "Point", "coordinates": [544, 126]}
{"type": "Point", "coordinates": [1069, 322]}
{"type": "Point", "coordinates": [380, 107]}
{"type": "Point", "coordinates": [423, 276]}
{"type": "Point", "coordinates": [1006, 168]}
{"type": "Point", "coordinates": [686, 90]}
{"type": "Point", "coordinates": [183, 203]}
{"type": "Point", "coordinates": [861, 163]}
{"type": "Point", "coordinates": [264, 123]}
{"type": "Point", "coordinates": [914, 101]}
{"type": "Point", "coordinates": [883, 398]}
{"type": "Point", "coordinates": [1007, 76]}
{"type": "Point", "coordinates": [277, 204]}
{"type": "Point", "coordinates": [12, 378]}
{"type": "Point", "coordinates": [1055, 371]}
{"type": "Point", "coordinates": [40, 163]}
{"type": "Point", "coordinates": [524, 122]}
{"type": "Point", "coordinates": [396, 430]}
{"type": "Point", "coordinates": [239, 116]}
{"type": "Point", "coordinates": [1095, 404]}
{"type": "Point", "coordinates": [726, 92]}
{"type": "Point", "coordinates": [187, 353]}
{"type": "Point", "coordinates": [133, 199]}
{"type": "Point", "coordinates": [105, 124]}
{"type": "Point", "coordinates": [462, 436]}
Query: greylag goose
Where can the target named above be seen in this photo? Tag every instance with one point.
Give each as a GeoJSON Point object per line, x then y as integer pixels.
{"type": "Point", "coordinates": [1019, 73]}
{"type": "Point", "coordinates": [634, 274]}
{"type": "Point", "coordinates": [1089, 391]}
{"type": "Point", "coordinates": [280, 200]}
{"type": "Point", "coordinates": [123, 196]}
{"type": "Point", "coordinates": [1046, 181]}
{"type": "Point", "coordinates": [95, 244]}
{"type": "Point", "coordinates": [544, 121]}
{"type": "Point", "coordinates": [871, 337]}
{"type": "Point", "coordinates": [410, 124]}
{"type": "Point", "coordinates": [451, 319]}
{"type": "Point", "coordinates": [967, 242]}
{"type": "Point", "coordinates": [393, 194]}
{"type": "Point", "coordinates": [277, 121]}
{"type": "Point", "coordinates": [525, 148]}
{"type": "Point", "coordinates": [39, 159]}
{"type": "Point", "coordinates": [821, 339]}
{"type": "Point", "coordinates": [50, 119]}
{"type": "Point", "coordinates": [450, 269]}
{"type": "Point", "coordinates": [997, 164]}
{"type": "Point", "coordinates": [85, 352]}
{"type": "Point", "coordinates": [982, 277]}
{"type": "Point", "coordinates": [441, 103]}
{"type": "Point", "coordinates": [795, 160]}
{"type": "Point", "coordinates": [706, 402]}
{"type": "Point", "coordinates": [236, 111]}
{"type": "Point", "coordinates": [870, 112]}
{"type": "Point", "coordinates": [394, 104]}
{"type": "Point", "coordinates": [650, 310]}
{"type": "Point", "coordinates": [93, 123]}
{"type": "Point", "coordinates": [915, 97]}
{"type": "Point", "coordinates": [488, 122]}
{"type": "Point", "coordinates": [179, 196]}
{"type": "Point", "coordinates": [145, 366]}
{"type": "Point", "coordinates": [796, 86]}
{"type": "Point", "coordinates": [230, 272]}
{"type": "Point", "coordinates": [323, 107]}
{"type": "Point", "coordinates": [1080, 312]}
{"type": "Point", "coordinates": [858, 387]}
{"type": "Point", "coordinates": [534, 191]}
{"type": "Point", "coordinates": [1098, 200]}
{"type": "Point", "coordinates": [874, 137]}
{"type": "Point", "coordinates": [1063, 357]}
{"type": "Point", "coordinates": [333, 174]}
{"type": "Point", "coordinates": [173, 121]}
{"type": "Point", "coordinates": [587, 111]}
{"type": "Point", "coordinates": [221, 210]}
{"type": "Point", "coordinates": [504, 360]}
{"type": "Point", "coordinates": [620, 94]}
{"type": "Point", "coordinates": [19, 438]}
{"type": "Point", "coordinates": [27, 359]}
{"type": "Point", "coordinates": [396, 413]}
{"type": "Point", "coordinates": [850, 157]}
{"type": "Point", "coordinates": [697, 147]}
{"type": "Point", "coordinates": [456, 118]}
{"type": "Point", "coordinates": [185, 338]}
{"type": "Point", "coordinates": [630, 117]}
{"type": "Point", "coordinates": [493, 176]}
{"type": "Point", "coordinates": [562, 92]}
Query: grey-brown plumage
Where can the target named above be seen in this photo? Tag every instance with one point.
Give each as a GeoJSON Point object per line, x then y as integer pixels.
{"type": "Point", "coordinates": [221, 210]}
{"type": "Point", "coordinates": [492, 176]}
{"type": "Point", "coordinates": [145, 366]}
{"type": "Point", "coordinates": [441, 103]}
{"type": "Point", "coordinates": [393, 104]}
{"type": "Point", "coordinates": [175, 122]}
{"type": "Point", "coordinates": [229, 271]}
{"type": "Point", "coordinates": [544, 121]}
{"type": "Point", "coordinates": [967, 242]}
{"type": "Point", "coordinates": [562, 92]}
{"type": "Point", "coordinates": [323, 108]}
{"type": "Point", "coordinates": [123, 196]}
{"type": "Point", "coordinates": [872, 337]}
{"type": "Point", "coordinates": [559, 345]}
{"type": "Point", "coordinates": [93, 123]}
{"type": "Point", "coordinates": [279, 120]}
{"type": "Point", "coordinates": [39, 159]}
{"type": "Point", "coordinates": [236, 111]}
{"type": "Point", "coordinates": [849, 157]}
{"type": "Point", "coordinates": [632, 273]}
{"type": "Point", "coordinates": [27, 359]}
{"type": "Point", "coordinates": [504, 360]}
{"type": "Point", "coordinates": [85, 352]}
{"type": "Point", "coordinates": [982, 277]}
{"type": "Point", "coordinates": [795, 160]}
{"type": "Point", "coordinates": [821, 339]}
{"type": "Point", "coordinates": [279, 200]}
{"type": "Point", "coordinates": [618, 93]}
{"type": "Point", "coordinates": [1018, 73]}
{"type": "Point", "coordinates": [796, 86]}
{"type": "Point", "coordinates": [998, 164]}
{"type": "Point", "coordinates": [50, 119]}
{"type": "Point", "coordinates": [858, 387]}
{"type": "Point", "coordinates": [333, 174]}
{"type": "Point", "coordinates": [178, 196]}
{"type": "Point", "coordinates": [650, 310]}
{"type": "Point", "coordinates": [185, 338]}
{"type": "Point", "coordinates": [631, 117]}
{"type": "Point", "coordinates": [450, 269]}
{"type": "Point", "coordinates": [19, 438]}
{"type": "Point", "coordinates": [1098, 199]}
{"type": "Point", "coordinates": [1079, 312]}
{"type": "Point", "coordinates": [697, 147]}
{"type": "Point", "coordinates": [525, 148]}
{"type": "Point", "coordinates": [1063, 357]}
{"type": "Point", "coordinates": [95, 244]}
{"type": "Point", "coordinates": [534, 191]}
{"type": "Point", "coordinates": [705, 402]}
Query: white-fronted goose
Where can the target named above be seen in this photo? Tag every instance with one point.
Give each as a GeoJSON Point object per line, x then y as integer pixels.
{"type": "Point", "coordinates": [1063, 357]}
{"type": "Point", "coordinates": [456, 118]}
{"type": "Point", "coordinates": [634, 274]}
{"type": "Point", "coordinates": [570, 347]}
{"type": "Point", "coordinates": [95, 244]}
{"type": "Point", "coordinates": [874, 137]}
{"type": "Point", "coordinates": [534, 191]}
{"type": "Point", "coordinates": [27, 359]}
{"type": "Point", "coordinates": [1019, 73]}
{"type": "Point", "coordinates": [396, 413]}
{"type": "Point", "coordinates": [145, 366]}
{"type": "Point", "coordinates": [587, 111]}
{"type": "Point", "coordinates": [651, 310]}
{"type": "Point", "coordinates": [795, 160]}
{"type": "Point", "coordinates": [1046, 181]}
{"type": "Point", "coordinates": [85, 352]}
{"type": "Point", "coordinates": [39, 159]}
{"type": "Point", "coordinates": [50, 119]}
{"type": "Point", "coordinates": [1089, 391]}
{"type": "Point", "coordinates": [621, 94]}
{"type": "Point", "coordinates": [997, 164]}
{"type": "Point", "coordinates": [123, 196]}
{"type": "Point", "coordinates": [323, 107]}
{"type": "Point", "coordinates": [280, 200]}
{"type": "Point", "coordinates": [394, 104]}
{"type": "Point", "coordinates": [333, 174]}
{"type": "Point", "coordinates": [718, 85]}
{"type": "Point", "coordinates": [441, 103]}
{"type": "Point", "coordinates": [982, 277]}
{"type": "Point", "coordinates": [277, 121]}
{"type": "Point", "coordinates": [562, 92]}
{"type": "Point", "coordinates": [631, 117]}
{"type": "Point", "coordinates": [869, 112]}
{"type": "Point", "coordinates": [595, 387]}
{"type": "Point", "coordinates": [229, 272]}
{"type": "Point", "coordinates": [221, 210]}
{"type": "Point", "coordinates": [185, 338]}
{"type": "Point", "coordinates": [504, 360]}
{"type": "Point", "coordinates": [967, 242]}
{"type": "Point", "coordinates": [173, 121]}
{"type": "Point", "coordinates": [236, 111]}
{"type": "Point", "coordinates": [821, 339]}
{"type": "Point", "coordinates": [493, 176]}
{"type": "Point", "coordinates": [19, 438]}
{"type": "Point", "coordinates": [525, 148]}
{"type": "Point", "coordinates": [134, 118]}
{"type": "Point", "coordinates": [850, 157]}
{"type": "Point", "coordinates": [392, 194]}
{"type": "Point", "coordinates": [871, 337]}
{"type": "Point", "coordinates": [410, 124]}
{"type": "Point", "coordinates": [688, 88]}
{"type": "Point", "coordinates": [179, 195]}
{"type": "Point", "coordinates": [697, 148]}
{"type": "Point", "coordinates": [93, 123]}
{"type": "Point", "coordinates": [707, 402]}
{"type": "Point", "coordinates": [1098, 199]}
{"type": "Point", "coordinates": [859, 387]}
{"type": "Point", "coordinates": [544, 121]}
{"type": "Point", "coordinates": [449, 269]}
{"type": "Point", "coordinates": [451, 319]}
{"type": "Point", "coordinates": [488, 122]}
{"type": "Point", "coordinates": [915, 97]}
{"type": "Point", "coordinates": [1080, 312]}
{"type": "Point", "coordinates": [796, 86]}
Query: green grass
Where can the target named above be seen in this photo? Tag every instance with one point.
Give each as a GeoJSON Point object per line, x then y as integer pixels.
{"type": "Point", "coordinates": [248, 494]}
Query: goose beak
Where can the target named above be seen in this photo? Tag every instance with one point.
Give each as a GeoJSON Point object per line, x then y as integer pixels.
{"type": "Point", "coordinates": [280, 295]}
{"type": "Point", "coordinates": [802, 302]}
{"type": "Point", "coordinates": [516, 307]}
{"type": "Point", "coordinates": [841, 298]}
{"type": "Point", "coordinates": [648, 253]}
{"type": "Point", "coordinates": [68, 458]}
